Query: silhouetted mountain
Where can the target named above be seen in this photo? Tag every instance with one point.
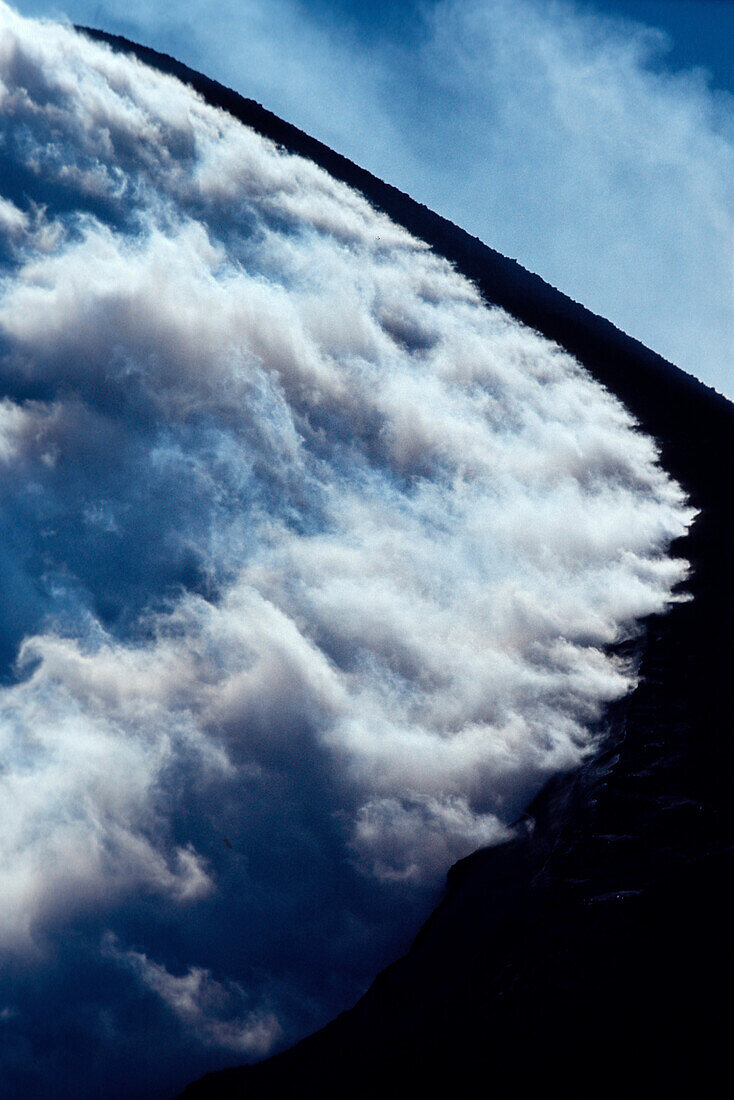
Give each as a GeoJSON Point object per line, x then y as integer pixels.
{"type": "Point", "coordinates": [594, 950]}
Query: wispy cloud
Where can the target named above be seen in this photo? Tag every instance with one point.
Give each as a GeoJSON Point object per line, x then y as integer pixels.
{"type": "Point", "coordinates": [199, 1003]}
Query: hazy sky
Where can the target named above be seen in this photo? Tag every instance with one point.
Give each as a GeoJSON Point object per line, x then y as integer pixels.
{"type": "Point", "coordinates": [592, 141]}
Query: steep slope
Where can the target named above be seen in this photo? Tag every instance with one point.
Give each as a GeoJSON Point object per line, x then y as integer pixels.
{"type": "Point", "coordinates": [600, 943]}
{"type": "Point", "coordinates": [594, 950]}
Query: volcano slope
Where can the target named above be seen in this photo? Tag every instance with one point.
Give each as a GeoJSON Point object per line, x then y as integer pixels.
{"type": "Point", "coordinates": [593, 950]}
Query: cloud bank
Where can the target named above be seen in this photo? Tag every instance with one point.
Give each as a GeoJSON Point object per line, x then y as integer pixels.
{"type": "Point", "coordinates": [310, 563]}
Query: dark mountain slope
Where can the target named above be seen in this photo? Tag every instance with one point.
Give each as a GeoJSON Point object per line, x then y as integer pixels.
{"type": "Point", "coordinates": [594, 951]}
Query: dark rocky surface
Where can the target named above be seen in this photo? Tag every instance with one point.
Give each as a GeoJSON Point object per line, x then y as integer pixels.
{"type": "Point", "coordinates": [593, 952]}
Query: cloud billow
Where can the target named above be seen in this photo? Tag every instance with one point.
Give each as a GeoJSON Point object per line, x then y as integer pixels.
{"type": "Point", "coordinates": [311, 564]}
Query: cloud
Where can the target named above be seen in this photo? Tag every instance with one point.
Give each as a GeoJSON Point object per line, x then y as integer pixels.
{"type": "Point", "coordinates": [579, 151]}
{"type": "Point", "coordinates": [313, 565]}
{"type": "Point", "coordinates": [196, 1000]}
{"type": "Point", "coordinates": [623, 170]}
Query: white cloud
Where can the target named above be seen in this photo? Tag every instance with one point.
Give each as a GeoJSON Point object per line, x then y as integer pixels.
{"type": "Point", "coordinates": [314, 560]}
{"type": "Point", "coordinates": [200, 1003]}
{"type": "Point", "coordinates": [398, 839]}
{"type": "Point", "coordinates": [429, 519]}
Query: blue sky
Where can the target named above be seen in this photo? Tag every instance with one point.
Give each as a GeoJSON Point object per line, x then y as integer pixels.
{"type": "Point", "coordinates": [701, 31]}
{"type": "Point", "coordinates": [594, 142]}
